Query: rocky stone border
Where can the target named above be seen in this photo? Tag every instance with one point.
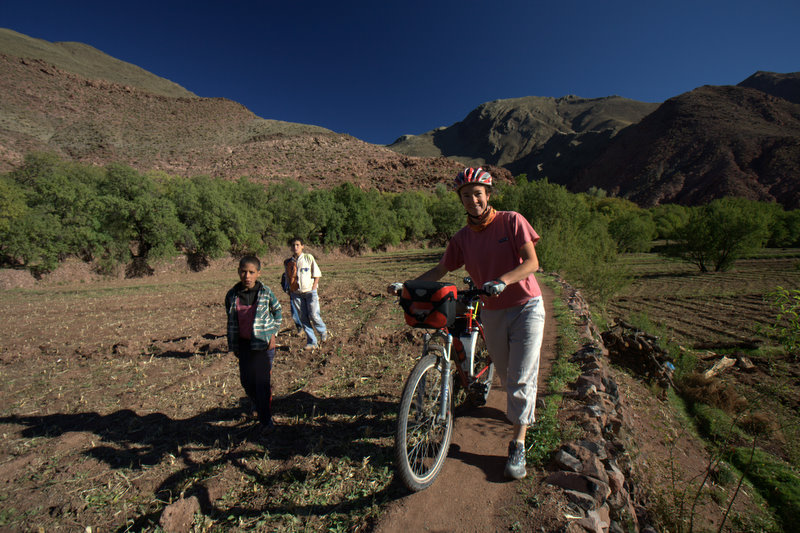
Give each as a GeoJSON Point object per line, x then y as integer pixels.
{"type": "Point", "coordinates": [594, 472]}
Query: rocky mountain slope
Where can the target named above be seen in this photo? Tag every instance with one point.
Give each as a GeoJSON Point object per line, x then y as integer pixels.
{"type": "Point", "coordinates": [786, 86]}
{"type": "Point", "coordinates": [88, 62]}
{"type": "Point", "coordinates": [704, 144]}
{"type": "Point", "coordinates": [515, 133]}
{"type": "Point", "coordinates": [94, 118]}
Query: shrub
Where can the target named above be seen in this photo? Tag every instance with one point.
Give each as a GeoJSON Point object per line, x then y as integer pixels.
{"type": "Point", "coordinates": [776, 480]}
{"type": "Point", "coordinates": [714, 423]}
{"type": "Point", "coordinates": [758, 423]}
{"type": "Point", "coordinates": [633, 231]}
{"type": "Point", "coordinates": [719, 233]}
{"type": "Point", "coordinates": [786, 326]}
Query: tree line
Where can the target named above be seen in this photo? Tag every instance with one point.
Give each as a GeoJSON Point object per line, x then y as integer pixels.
{"type": "Point", "coordinates": [115, 216]}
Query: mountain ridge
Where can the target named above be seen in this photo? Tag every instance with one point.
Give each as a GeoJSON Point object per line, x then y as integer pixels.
{"type": "Point", "coordinates": [749, 137]}
{"type": "Point", "coordinates": [501, 132]}
{"type": "Point", "coordinates": [703, 144]}
{"type": "Point", "coordinates": [87, 61]}
{"type": "Point", "coordinates": [707, 143]}
{"type": "Point", "coordinates": [97, 121]}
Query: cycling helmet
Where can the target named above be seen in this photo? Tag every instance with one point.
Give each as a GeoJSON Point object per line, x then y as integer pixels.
{"type": "Point", "coordinates": [473, 175]}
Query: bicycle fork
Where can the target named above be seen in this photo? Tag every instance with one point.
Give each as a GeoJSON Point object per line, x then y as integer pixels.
{"type": "Point", "coordinates": [447, 368]}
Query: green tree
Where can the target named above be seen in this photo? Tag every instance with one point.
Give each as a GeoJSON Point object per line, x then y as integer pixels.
{"type": "Point", "coordinates": [219, 216]}
{"type": "Point", "coordinates": [12, 203]}
{"type": "Point", "coordinates": [321, 210]}
{"type": "Point", "coordinates": [251, 230]}
{"type": "Point", "coordinates": [633, 231]}
{"type": "Point", "coordinates": [66, 196]}
{"type": "Point", "coordinates": [143, 222]}
{"type": "Point", "coordinates": [288, 215]}
{"type": "Point", "coordinates": [386, 229]}
{"type": "Point", "coordinates": [34, 241]}
{"type": "Point", "coordinates": [784, 227]}
{"type": "Point", "coordinates": [365, 217]}
{"type": "Point", "coordinates": [719, 233]}
{"type": "Point", "coordinates": [412, 215]}
{"type": "Point", "coordinates": [447, 214]}
{"type": "Point", "coordinates": [611, 207]}
{"type": "Point", "coordinates": [668, 218]}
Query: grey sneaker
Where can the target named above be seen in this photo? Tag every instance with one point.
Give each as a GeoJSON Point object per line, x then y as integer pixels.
{"type": "Point", "coordinates": [325, 336]}
{"type": "Point", "coordinates": [515, 466]}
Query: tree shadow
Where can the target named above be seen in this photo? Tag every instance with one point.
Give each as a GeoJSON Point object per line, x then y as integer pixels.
{"type": "Point", "coordinates": [182, 351]}
{"type": "Point", "coordinates": [668, 275]}
{"type": "Point", "coordinates": [327, 426]}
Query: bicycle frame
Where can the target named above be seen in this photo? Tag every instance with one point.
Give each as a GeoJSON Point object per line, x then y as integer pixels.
{"type": "Point", "coordinates": [466, 369]}
{"type": "Point", "coordinates": [475, 330]}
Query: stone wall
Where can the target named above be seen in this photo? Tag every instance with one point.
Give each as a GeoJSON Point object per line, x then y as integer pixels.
{"type": "Point", "coordinates": [594, 472]}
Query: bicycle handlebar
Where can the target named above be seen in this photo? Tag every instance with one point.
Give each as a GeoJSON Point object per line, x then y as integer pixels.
{"type": "Point", "coordinates": [470, 295]}
{"type": "Point", "coordinates": [463, 296]}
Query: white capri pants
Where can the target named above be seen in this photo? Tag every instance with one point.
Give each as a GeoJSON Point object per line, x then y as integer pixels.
{"type": "Point", "coordinates": [514, 341]}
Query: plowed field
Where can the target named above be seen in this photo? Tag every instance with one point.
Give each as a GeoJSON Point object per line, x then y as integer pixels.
{"type": "Point", "coordinates": [118, 398]}
{"type": "Point", "coordinates": [719, 310]}
{"type": "Point", "coordinates": [725, 313]}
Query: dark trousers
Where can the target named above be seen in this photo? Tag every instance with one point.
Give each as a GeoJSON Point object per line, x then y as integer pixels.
{"type": "Point", "coordinates": [255, 371]}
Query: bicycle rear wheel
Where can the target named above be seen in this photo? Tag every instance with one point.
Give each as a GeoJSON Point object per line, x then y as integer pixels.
{"type": "Point", "coordinates": [421, 441]}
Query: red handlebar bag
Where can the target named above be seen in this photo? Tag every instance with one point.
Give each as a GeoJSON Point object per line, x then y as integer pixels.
{"type": "Point", "coordinates": [429, 304]}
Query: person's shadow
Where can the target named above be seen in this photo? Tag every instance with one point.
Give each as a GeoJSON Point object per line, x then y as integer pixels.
{"type": "Point", "coordinates": [491, 465]}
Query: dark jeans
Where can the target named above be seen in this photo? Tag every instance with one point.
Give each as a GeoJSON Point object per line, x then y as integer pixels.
{"type": "Point", "coordinates": [255, 371]}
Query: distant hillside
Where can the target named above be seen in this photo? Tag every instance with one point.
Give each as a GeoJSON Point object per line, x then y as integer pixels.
{"type": "Point", "coordinates": [705, 144]}
{"type": "Point", "coordinates": [88, 62]}
{"type": "Point", "coordinates": [506, 132]}
{"type": "Point", "coordinates": [786, 86]}
{"type": "Point", "coordinates": [91, 119]}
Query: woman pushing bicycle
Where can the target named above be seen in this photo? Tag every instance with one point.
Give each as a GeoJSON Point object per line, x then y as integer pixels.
{"type": "Point", "coordinates": [497, 250]}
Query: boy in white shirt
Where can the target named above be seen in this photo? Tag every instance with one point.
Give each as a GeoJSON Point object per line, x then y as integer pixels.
{"type": "Point", "coordinates": [303, 273]}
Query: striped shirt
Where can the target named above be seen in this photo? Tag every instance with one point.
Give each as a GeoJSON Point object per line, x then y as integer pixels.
{"type": "Point", "coordinates": [266, 322]}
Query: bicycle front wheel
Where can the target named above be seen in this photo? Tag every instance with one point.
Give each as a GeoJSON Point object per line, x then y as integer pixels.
{"type": "Point", "coordinates": [421, 440]}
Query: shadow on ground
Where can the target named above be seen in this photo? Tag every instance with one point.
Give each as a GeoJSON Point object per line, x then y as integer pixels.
{"type": "Point", "coordinates": [229, 436]}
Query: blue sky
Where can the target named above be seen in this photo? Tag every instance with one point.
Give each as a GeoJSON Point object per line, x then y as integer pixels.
{"type": "Point", "coordinates": [383, 68]}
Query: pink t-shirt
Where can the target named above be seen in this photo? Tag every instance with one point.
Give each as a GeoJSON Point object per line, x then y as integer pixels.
{"type": "Point", "coordinates": [490, 253]}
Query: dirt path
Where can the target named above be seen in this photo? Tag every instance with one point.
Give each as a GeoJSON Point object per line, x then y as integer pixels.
{"type": "Point", "coordinates": [471, 493]}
